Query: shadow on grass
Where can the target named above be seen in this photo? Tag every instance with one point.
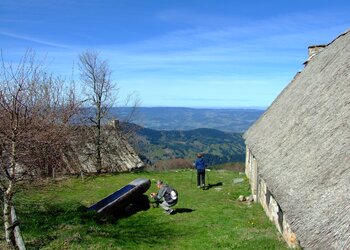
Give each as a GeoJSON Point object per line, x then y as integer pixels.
{"type": "Point", "coordinates": [212, 185]}
{"type": "Point", "coordinates": [127, 230]}
{"type": "Point", "coordinates": [183, 210]}
{"type": "Point", "coordinates": [140, 203]}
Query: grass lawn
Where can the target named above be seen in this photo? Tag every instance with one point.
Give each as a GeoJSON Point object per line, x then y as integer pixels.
{"type": "Point", "coordinates": [54, 216]}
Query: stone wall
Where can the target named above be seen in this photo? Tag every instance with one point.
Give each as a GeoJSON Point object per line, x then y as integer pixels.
{"type": "Point", "coordinates": [275, 214]}
{"type": "Point", "coordinates": [251, 170]}
{"type": "Point", "coordinates": [262, 194]}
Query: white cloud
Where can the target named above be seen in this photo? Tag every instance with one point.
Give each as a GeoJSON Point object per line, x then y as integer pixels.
{"type": "Point", "coordinates": [34, 40]}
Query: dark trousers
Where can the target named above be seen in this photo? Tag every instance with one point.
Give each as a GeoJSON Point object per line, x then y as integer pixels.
{"type": "Point", "coordinates": [200, 177]}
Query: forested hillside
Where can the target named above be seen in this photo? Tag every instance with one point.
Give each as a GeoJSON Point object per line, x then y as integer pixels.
{"type": "Point", "coordinates": [219, 147]}
{"type": "Point", "coordinates": [179, 133]}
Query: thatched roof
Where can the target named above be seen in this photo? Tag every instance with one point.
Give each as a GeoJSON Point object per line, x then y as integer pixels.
{"type": "Point", "coordinates": [302, 146]}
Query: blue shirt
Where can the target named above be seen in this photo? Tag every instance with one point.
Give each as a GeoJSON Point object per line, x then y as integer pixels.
{"type": "Point", "coordinates": [200, 164]}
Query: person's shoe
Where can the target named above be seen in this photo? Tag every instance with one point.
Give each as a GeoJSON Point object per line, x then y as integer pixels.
{"type": "Point", "coordinates": [198, 186]}
{"type": "Point", "coordinates": [170, 211]}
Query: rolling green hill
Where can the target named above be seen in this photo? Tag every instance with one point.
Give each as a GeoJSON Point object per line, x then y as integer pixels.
{"type": "Point", "coordinates": [219, 147]}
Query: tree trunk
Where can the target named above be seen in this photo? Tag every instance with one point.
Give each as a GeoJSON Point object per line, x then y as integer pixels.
{"type": "Point", "coordinates": [81, 174]}
{"type": "Point", "coordinates": [98, 154]}
{"type": "Point", "coordinates": [16, 231]}
{"type": "Point", "coordinates": [8, 195]}
{"type": "Point", "coordinates": [7, 221]}
{"type": "Point", "coordinates": [98, 139]}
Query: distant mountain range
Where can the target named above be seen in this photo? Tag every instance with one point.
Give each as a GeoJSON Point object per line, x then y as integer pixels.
{"type": "Point", "coordinates": [170, 118]}
{"type": "Point", "coordinates": [180, 133]}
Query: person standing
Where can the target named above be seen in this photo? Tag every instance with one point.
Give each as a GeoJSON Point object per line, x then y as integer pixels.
{"type": "Point", "coordinates": [200, 165]}
{"type": "Point", "coordinates": [167, 194]}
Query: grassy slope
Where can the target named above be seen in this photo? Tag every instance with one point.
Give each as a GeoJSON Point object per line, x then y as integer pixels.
{"type": "Point", "coordinates": [55, 217]}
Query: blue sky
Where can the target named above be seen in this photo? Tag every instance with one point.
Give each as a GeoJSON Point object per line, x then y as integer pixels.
{"type": "Point", "coordinates": [178, 53]}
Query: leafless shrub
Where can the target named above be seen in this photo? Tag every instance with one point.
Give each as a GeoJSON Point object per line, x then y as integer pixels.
{"type": "Point", "coordinates": [35, 110]}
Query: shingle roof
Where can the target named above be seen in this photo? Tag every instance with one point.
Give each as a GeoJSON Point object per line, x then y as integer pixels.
{"type": "Point", "coordinates": [302, 145]}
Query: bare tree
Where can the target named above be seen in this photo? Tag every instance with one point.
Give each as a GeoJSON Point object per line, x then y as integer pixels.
{"type": "Point", "coordinates": [100, 91]}
{"type": "Point", "coordinates": [34, 114]}
{"type": "Point", "coordinates": [129, 129]}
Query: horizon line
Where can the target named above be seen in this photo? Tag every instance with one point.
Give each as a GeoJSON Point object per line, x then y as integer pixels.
{"type": "Point", "coordinates": [187, 107]}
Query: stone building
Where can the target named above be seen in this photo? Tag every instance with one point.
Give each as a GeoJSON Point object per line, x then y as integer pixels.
{"type": "Point", "coordinates": [298, 159]}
